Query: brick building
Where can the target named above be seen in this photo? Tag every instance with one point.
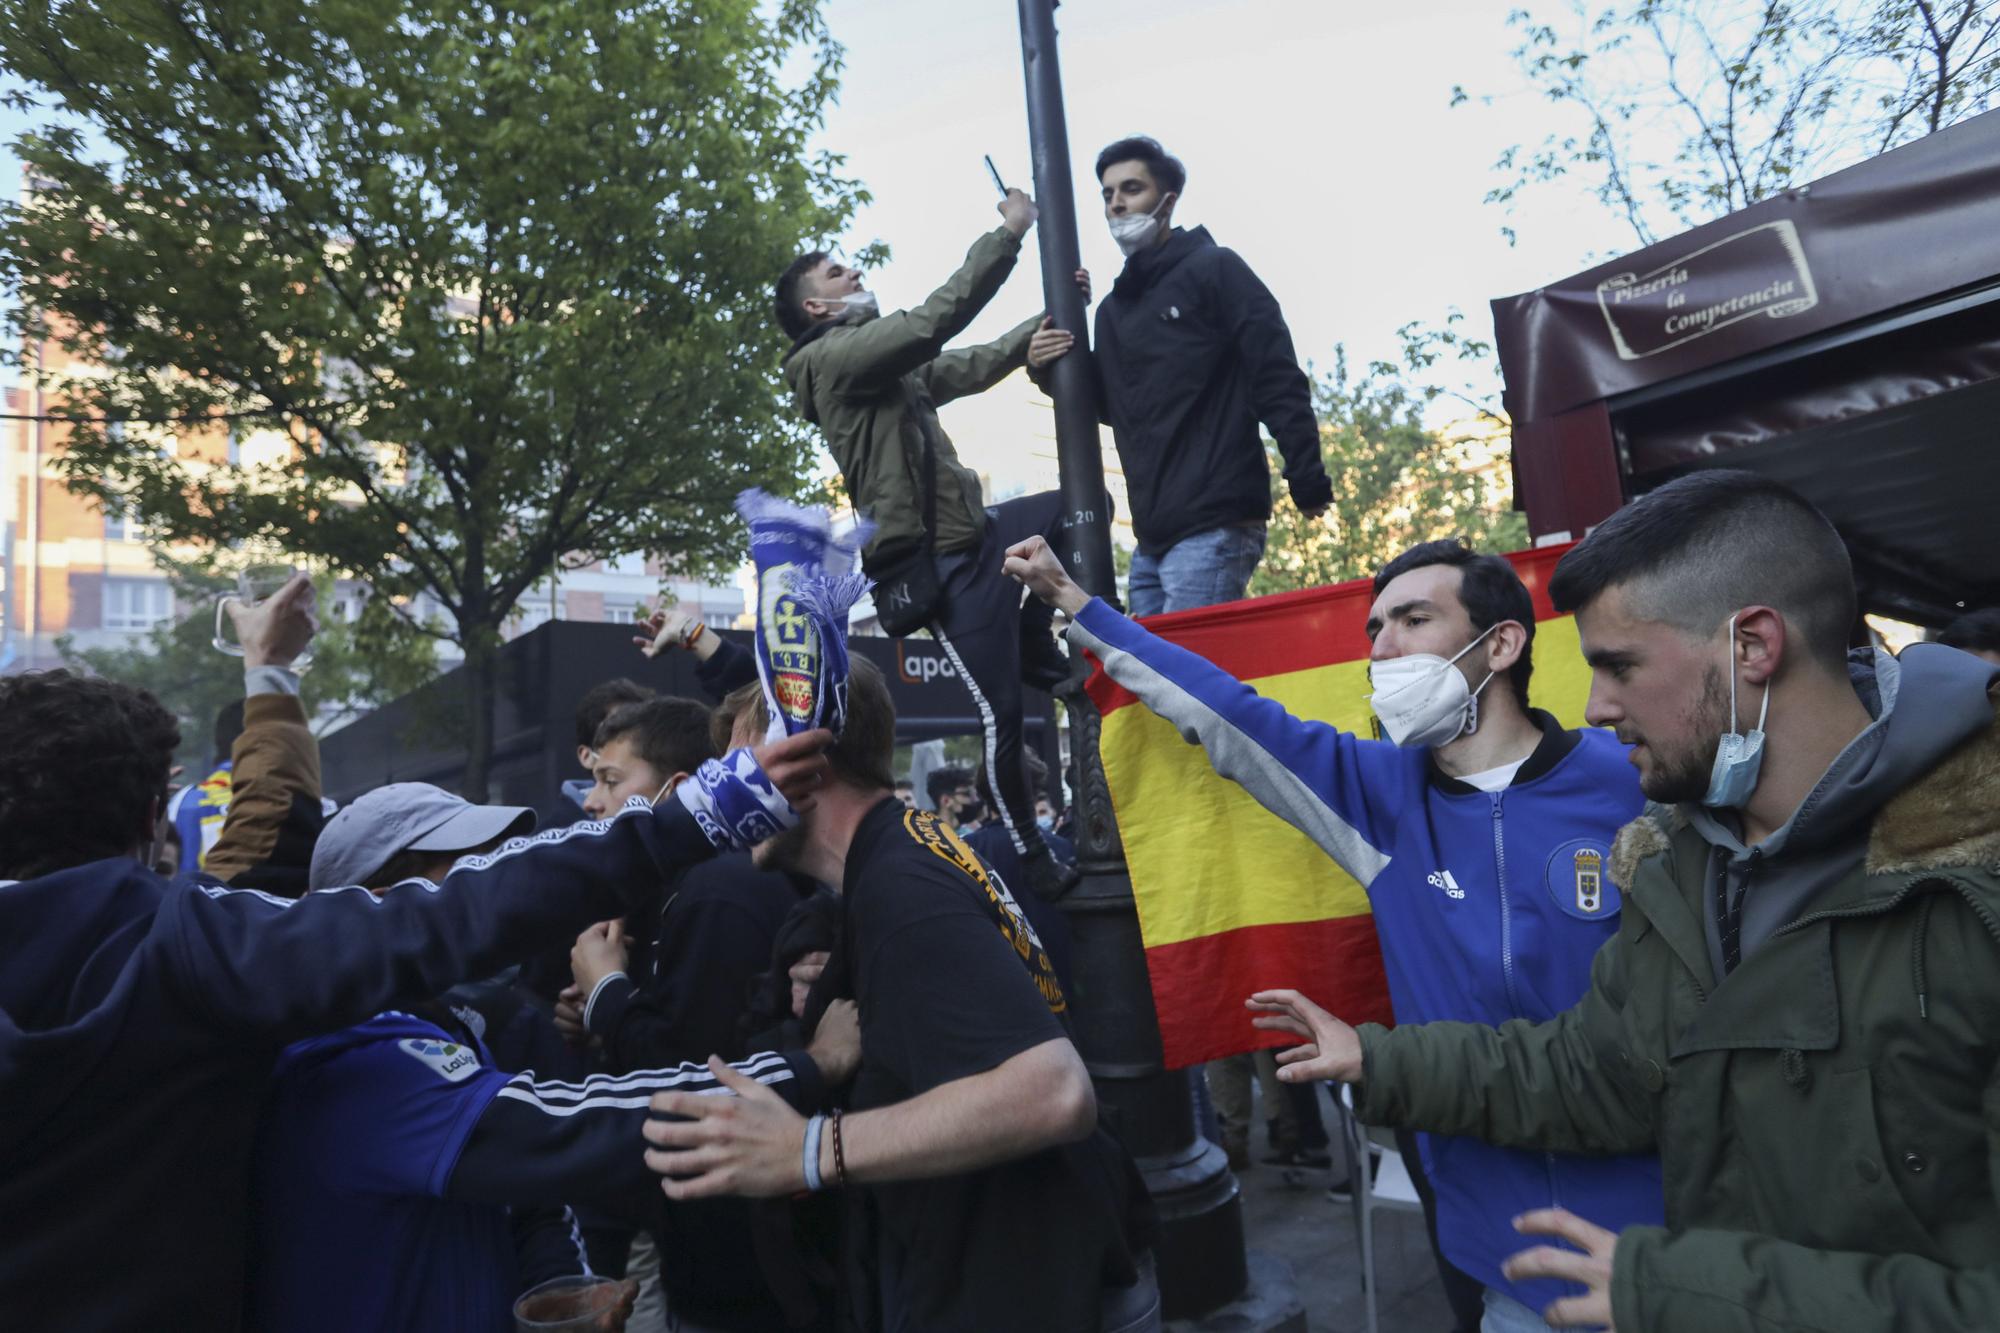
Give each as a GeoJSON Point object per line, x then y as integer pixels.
{"type": "Point", "coordinates": [69, 568]}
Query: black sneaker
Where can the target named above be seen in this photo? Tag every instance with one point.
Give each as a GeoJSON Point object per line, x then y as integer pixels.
{"type": "Point", "coordinates": [1344, 1191]}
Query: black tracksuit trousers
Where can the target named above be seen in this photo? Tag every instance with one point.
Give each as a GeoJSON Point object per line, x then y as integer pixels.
{"type": "Point", "coordinates": [981, 623]}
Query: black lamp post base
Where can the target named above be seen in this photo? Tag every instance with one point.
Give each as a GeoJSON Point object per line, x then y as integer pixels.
{"type": "Point", "coordinates": [1270, 1304]}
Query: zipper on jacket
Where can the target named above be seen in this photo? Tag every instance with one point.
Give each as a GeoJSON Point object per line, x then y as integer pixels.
{"type": "Point", "coordinates": [1507, 966]}
{"type": "Point", "coordinates": [1506, 915]}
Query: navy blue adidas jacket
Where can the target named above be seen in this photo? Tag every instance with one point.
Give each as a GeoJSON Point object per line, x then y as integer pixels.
{"type": "Point", "coordinates": [140, 1019]}
{"type": "Point", "coordinates": [1490, 906]}
{"type": "Point", "coordinates": [396, 1166]}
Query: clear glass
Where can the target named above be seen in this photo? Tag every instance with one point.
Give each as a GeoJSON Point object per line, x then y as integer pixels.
{"type": "Point", "coordinates": [253, 585]}
{"type": "Point", "coordinates": [570, 1304]}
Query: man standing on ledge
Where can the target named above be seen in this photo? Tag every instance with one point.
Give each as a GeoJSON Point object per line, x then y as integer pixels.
{"type": "Point", "coordinates": [1192, 352]}
{"type": "Point", "coordinates": [872, 383]}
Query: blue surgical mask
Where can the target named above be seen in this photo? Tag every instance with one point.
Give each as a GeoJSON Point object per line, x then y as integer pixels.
{"type": "Point", "coordinates": [1739, 756]}
{"type": "Point", "coordinates": [1046, 823]}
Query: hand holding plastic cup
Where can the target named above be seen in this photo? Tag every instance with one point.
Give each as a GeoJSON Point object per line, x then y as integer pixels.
{"type": "Point", "coordinates": [575, 1304]}
{"type": "Point", "coordinates": [256, 585]}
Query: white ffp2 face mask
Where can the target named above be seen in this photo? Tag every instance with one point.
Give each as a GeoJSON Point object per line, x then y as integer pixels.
{"type": "Point", "coordinates": [1422, 700]}
{"type": "Point", "coordinates": [1135, 231]}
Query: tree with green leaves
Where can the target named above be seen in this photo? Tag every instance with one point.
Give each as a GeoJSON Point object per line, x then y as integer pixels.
{"type": "Point", "coordinates": [356, 665]}
{"type": "Point", "coordinates": [1396, 481]}
{"type": "Point", "coordinates": [1681, 111]}
{"type": "Point", "coordinates": [498, 271]}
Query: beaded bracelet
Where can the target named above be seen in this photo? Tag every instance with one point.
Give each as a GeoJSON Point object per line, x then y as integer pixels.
{"type": "Point", "coordinates": [839, 1153]}
{"type": "Point", "coordinates": [811, 1160]}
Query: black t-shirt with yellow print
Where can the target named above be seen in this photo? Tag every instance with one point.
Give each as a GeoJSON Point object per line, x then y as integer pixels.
{"type": "Point", "coordinates": [951, 981]}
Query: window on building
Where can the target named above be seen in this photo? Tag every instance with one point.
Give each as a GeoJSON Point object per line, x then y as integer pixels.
{"type": "Point", "coordinates": [118, 526]}
{"type": "Point", "coordinates": [136, 604]}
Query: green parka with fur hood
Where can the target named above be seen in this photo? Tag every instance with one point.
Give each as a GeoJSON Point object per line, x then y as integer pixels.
{"type": "Point", "coordinates": [1828, 1114]}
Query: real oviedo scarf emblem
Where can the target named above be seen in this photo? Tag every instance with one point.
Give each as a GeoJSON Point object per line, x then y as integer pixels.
{"type": "Point", "coordinates": [806, 585]}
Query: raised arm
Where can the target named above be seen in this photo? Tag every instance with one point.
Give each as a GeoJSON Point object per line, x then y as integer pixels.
{"type": "Point", "coordinates": [1335, 788]}
{"type": "Point", "coordinates": [278, 968]}
{"type": "Point", "coordinates": [971, 370]}
{"type": "Point", "coordinates": [274, 785]}
{"type": "Point", "coordinates": [881, 351]}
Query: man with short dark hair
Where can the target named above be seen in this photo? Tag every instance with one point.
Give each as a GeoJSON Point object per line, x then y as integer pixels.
{"type": "Point", "coordinates": [1975, 632]}
{"type": "Point", "coordinates": [1478, 826]}
{"type": "Point", "coordinates": [1798, 1009]}
{"type": "Point", "coordinates": [1192, 353]}
{"type": "Point", "coordinates": [990, 1200]}
{"type": "Point", "coordinates": [140, 1018]}
{"type": "Point", "coordinates": [597, 703]}
{"type": "Point", "coordinates": [872, 383]}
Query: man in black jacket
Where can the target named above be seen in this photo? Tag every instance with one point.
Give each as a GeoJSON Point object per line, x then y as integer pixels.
{"type": "Point", "coordinates": [1192, 353]}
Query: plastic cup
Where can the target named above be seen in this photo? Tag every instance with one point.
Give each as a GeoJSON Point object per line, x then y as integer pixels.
{"type": "Point", "coordinates": [567, 1304]}
{"type": "Point", "coordinates": [253, 585]}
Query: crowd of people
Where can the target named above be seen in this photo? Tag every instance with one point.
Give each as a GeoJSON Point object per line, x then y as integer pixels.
{"type": "Point", "coordinates": [1696, 1004]}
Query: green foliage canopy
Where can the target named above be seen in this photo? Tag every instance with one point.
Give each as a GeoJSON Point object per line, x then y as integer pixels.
{"type": "Point", "coordinates": [499, 271]}
{"type": "Point", "coordinates": [1396, 482]}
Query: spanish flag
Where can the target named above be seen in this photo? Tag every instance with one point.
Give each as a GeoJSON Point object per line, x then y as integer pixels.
{"type": "Point", "coordinates": [1232, 899]}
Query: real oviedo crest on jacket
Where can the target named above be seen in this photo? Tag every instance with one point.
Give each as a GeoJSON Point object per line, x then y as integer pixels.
{"type": "Point", "coordinates": [1578, 880]}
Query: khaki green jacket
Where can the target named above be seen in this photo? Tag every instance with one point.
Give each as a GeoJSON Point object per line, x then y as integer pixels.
{"type": "Point", "coordinates": [1828, 1122]}
{"type": "Point", "coordinates": [873, 386]}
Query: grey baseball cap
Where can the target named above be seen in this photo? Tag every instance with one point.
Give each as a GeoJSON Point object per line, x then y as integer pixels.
{"type": "Point", "coordinates": [406, 816]}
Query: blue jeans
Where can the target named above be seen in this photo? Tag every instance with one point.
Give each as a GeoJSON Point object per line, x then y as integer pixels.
{"type": "Point", "coordinates": [1201, 570]}
{"type": "Point", "coordinates": [1504, 1314]}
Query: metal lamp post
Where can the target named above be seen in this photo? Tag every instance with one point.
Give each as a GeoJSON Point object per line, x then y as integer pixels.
{"type": "Point", "coordinates": [1204, 1269]}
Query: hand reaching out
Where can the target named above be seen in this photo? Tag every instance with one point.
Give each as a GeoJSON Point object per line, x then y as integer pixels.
{"type": "Point", "coordinates": [276, 630]}
{"type": "Point", "coordinates": [803, 974]}
{"type": "Point", "coordinates": [1033, 564]}
{"type": "Point", "coordinates": [598, 952]}
{"type": "Point", "coordinates": [749, 1144]}
{"type": "Point", "coordinates": [1332, 1049]}
{"type": "Point", "coordinates": [1018, 212]}
{"type": "Point", "coordinates": [836, 1045]}
{"type": "Point", "coordinates": [1049, 344]}
{"type": "Point", "coordinates": [666, 629]}
{"type": "Point", "coordinates": [1592, 1267]}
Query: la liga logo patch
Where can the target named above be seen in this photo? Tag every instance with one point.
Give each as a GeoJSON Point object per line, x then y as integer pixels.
{"type": "Point", "coordinates": [448, 1059]}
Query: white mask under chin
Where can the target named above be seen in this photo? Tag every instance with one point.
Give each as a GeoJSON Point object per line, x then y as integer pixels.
{"type": "Point", "coordinates": [1135, 231]}
{"type": "Point", "coordinates": [860, 306]}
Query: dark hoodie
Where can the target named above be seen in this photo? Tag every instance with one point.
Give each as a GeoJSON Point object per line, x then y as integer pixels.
{"type": "Point", "coordinates": [1192, 352]}
{"type": "Point", "coordinates": [140, 1019]}
{"type": "Point", "coordinates": [1925, 704]}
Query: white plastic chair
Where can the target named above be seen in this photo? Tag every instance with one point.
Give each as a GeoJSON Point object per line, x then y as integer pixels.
{"type": "Point", "coordinates": [1376, 1178]}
